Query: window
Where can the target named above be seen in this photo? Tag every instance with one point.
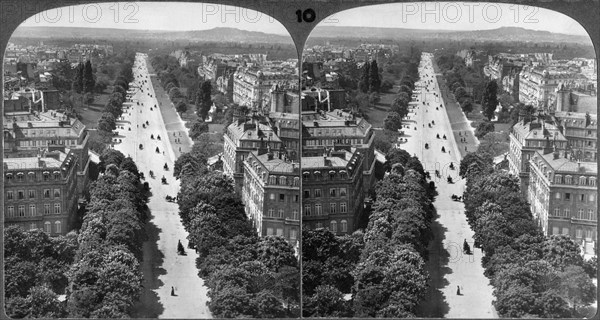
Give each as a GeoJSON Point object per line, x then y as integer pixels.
{"type": "Point", "coordinates": [591, 215]}
{"type": "Point", "coordinates": [280, 213]}
{"type": "Point", "coordinates": [270, 213]}
{"type": "Point", "coordinates": [578, 233]}
{"type": "Point", "coordinates": [565, 231]}
{"type": "Point", "coordinates": [567, 196]}
{"type": "Point", "coordinates": [20, 176]}
{"type": "Point", "coordinates": [317, 193]}
{"type": "Point", "coordinates": [295, 214]}
{"type": "Point", "coordinates": [46, 176]}
{"type": "Point", "coordinates": [344, 225]}
{"type": "Point", "coordinates": [307, 210]}
{"type": "Point", "coordinates": [31, 194]}
{"type": "Point", "coordinates": [296, 181]}
{"type": "Point", "coordinates": [282, 181]}
{"type": "Point", "coordinates": [10, 211]}
{"type": "Point", "coordinates": [557, 212]}
{"type": "Point", "coordinates": [567, 212]}
{"type": "Point", "coordinates": [554, 230]}
{"type": "Point", "coordinates": [343, 207]}
{"type": "Point", "coordinates": [342, 192]}
{"type": "Point", "coordinates": [293, 234]}
{"type": "Point", "coordinates": [21, 211]}
{"type": "Point", "coordinates": [269, 231]}
{"type": "Point", "coordinates": [9, 177]}
{"type": "Point", "coordinates": [318, 209]}
{"type": "Point", "coordinates": [32, 210]}
{"type": "Point", "coordinates": [281, 197]}
{"type": "Point", "coordinates": [280, 232]}
{"type": "Point", "coordinates": [333, 226]}
{"type": "Point", "coordinates": [272, 180]}
{"type": "Point", "coordinates": [591, 197]}
{"type": "Point", "coordinates": [306, 194]}
{"type": "Point", "coordinates": [296, 198]}
{"type": "Point", "coordinates": [580, 214]}
{"type": "Point", "coordinates": [588, 235]}
{"type": "Point", "coordinates": [46, 209]}
{"type": "Point", "coordinates": [557, 178]}
{"type": "Point", "coordinates": [56, 193]}
{"type": "Point", "coordinates": [57, 208]}
{"type": "Point", "coordinates": [332, 192]}
{"type": "Point", "coordinates": [57, 227]}
{"type": "Point", "coordinates": [272, 196]}
{"type": "Point", "coordinates": [56, 176]}
{"type": "Point", "coordinates": [568, 180]}
{"type": "Point", "coordinates": [46, 193]}
{"type": "Point", "coordinates": [332, 208]}
{"type": "Point", "coordinates": [21, 194]}
{"type": "Point", "coordinates": [32, 226]}
{"type": "Point", "coordinates": [9, 195]}
{"type": "Point", "coordinates": [582, 197]}
{"type": "Point", "coordinates": [557, 195]}
{"type": "Point", "coordinates": [582, 181]}
{"type": "Point", "coordinates": [47, 227]}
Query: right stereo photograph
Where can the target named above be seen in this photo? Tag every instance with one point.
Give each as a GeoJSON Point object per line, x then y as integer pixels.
{"type": "Point", "coordinates": [449, 163]}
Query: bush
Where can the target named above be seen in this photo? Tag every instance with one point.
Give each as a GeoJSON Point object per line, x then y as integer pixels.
{"type": "Point", "coordinates": [484, 128]}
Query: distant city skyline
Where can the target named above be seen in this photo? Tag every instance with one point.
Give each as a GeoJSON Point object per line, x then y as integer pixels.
{"type": "Point", "coordinates": [198, 16]}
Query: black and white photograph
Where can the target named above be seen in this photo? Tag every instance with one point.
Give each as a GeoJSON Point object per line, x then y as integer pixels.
{"type": "Point", "coordinates": [299, 159]}
{"type": "Point", "coordinates": [149, 166]}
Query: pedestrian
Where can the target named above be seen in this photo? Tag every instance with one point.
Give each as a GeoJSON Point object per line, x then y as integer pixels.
{"type": "Point", "coordinates": [173, 291]}
{"type": "Point", "coordinates": [458, 291]}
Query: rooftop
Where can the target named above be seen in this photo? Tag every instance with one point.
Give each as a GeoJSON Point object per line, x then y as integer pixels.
{"type": "Point", "coordinates": [562, 164]}
{"type": "Point", "coordinates": [35, 162]}
{"type": "Point", "coordinates": [526, 131]}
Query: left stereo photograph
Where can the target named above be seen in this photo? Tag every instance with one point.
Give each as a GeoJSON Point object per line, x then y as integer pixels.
{"type": "Point", "coordinates": [151, 163]}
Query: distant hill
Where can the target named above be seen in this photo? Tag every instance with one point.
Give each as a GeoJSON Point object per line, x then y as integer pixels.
{"type": "Point", "coordinates": [215, 34]}
{"type": "Point", "coordinates": [243, 36]}
{"type": "Point", "coordinates": [499, 34]}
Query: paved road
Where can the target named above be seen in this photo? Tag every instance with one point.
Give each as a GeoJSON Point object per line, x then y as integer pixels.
{"type": "Point", "coordinates": [162, 267]}
{"type": "Point", "coordinates": [447, 265]}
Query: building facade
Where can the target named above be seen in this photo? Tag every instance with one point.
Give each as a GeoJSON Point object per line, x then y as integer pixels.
{"type": "Point", "coordinates": [581, 131]}
{"type": "Point", "coordinates": [271, 194]}
{"type": "Point", "coordinates": [525, 139]}
{"type": "Point", "coordinates": [563, 197]}
{"type": "Point", "coordinates": [41, 192]}
{"type": "Point", "coordinates": [332, 191]}
{"type": "Point", "coordinates": [25, 134]}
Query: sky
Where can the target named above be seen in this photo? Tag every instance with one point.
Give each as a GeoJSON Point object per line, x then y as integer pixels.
{"type": "Point", "coordinates": [196, 16]}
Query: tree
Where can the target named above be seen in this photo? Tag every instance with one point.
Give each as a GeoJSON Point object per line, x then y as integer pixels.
{"type": "Point", "coordinates": [374, 77]}
{"type": "Point", "coordinates": [393, 121]}
{"type": "Point", "coordinates": [78, 80]}
{"type": "Point", "coordinates": [181, 107]}
{"type": "Point", "coordinates": [490, 99]}
{"type": "Point", "coordinates": [107, 122]}
{"type": "Point", "coordinates": [364, 82]}
{"type": "Point", "coordinates": [275, 252]}
{"type": "Point", "coordinates": [577, 287]}
{"type": "Point", "coordinates": [484, 128]}
{"type": "Point", "coordinates": [327, 301]}
{"type": "Point", "coordinates": [189, 163]}
{"type": "Point", "coordinates": [88, 81]}
{"type": "Point", "coordinates": [44, 303]}
{"type": "Point", "coordinates": [467, 105]}
{"type": "Point", "coordinates": [198, 128]}
{"type": "Point", "coordinates": [204, 99]}
{"type": "Point", "coordinates": [460, 93]}
{"type": "Point", "coordinates": [400, 106]}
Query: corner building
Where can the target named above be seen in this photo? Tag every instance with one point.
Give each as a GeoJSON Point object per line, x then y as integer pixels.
{"type": "Point", "coordinates": [563, 197]}
{"type": "Point", "coordinates": [271, 194]}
